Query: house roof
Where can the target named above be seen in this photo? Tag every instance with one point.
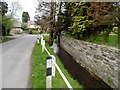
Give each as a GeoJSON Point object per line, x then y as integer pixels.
{"type": "Point", "coordinates": [32, 22]}
{"type": "Point", "coordinates": [17, 24]}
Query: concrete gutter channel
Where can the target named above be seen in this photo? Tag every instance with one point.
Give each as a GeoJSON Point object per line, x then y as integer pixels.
{"type": "Point", "coordinates": [29, 79]}
{"type": "Point", "coordinates": [82, 75]}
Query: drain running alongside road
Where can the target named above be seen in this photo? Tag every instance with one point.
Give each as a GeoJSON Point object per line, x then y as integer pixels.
{"type": "Point", "coordinates": [80, 73]}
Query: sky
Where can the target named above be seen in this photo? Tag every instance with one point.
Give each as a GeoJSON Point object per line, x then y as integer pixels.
{"type": "Point", "coordinates": [27, 6]}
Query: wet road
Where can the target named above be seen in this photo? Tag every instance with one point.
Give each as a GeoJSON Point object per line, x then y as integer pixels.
{"type": "Point", "coordinates": [16, 61]}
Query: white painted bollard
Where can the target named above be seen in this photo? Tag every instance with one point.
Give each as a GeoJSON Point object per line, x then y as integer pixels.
{"type": "Point", "coordinates": [38, 41]}
{"type": "Point", "coordinates": [49, 73]}
{"type": "Point", "coordinates": [43, 45]}
{"type": "Point", "coordinates": [41, 40]}
{"type": "Point", "coordinates": [53, 65]}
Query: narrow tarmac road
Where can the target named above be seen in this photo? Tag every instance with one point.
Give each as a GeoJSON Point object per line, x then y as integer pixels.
{"type": "Point", "coordinates": [16, 61]}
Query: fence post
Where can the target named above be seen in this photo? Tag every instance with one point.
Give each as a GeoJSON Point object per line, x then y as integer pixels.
{"type": "Point", "coordinates": [38, 41]}
{"type": "Point", "coordinates": [41, 40]}
{"type": "Point", "coordinates": [53, 65]}
{"type": "Point", "coordinates": [43, 45]}
{"type": "Point", "coordinates": [49, 73]}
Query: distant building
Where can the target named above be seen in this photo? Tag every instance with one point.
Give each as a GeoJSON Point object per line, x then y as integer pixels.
{"type": "Point", "coordinates": [32, 25]}
{"type": "Point", "coordinates": [17, 28]}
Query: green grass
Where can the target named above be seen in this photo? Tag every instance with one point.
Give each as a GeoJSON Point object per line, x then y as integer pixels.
{"type": "Point", "coordinates": [5, 39]}
{"type": "Point", "coordinates": [38, 76]}
{"type": "Point", "coordinates": [113, 40]}
{"type": "Point", "coordinates": [46, 38]}
{"type": "Point", "coordinates": [57, 81]}
{"type": "Point", "coordinates": [9, 35]}
{"type": "Point", "coordinates": [35, 32]}
{"type": "Point", "coordinates": [100, 40]}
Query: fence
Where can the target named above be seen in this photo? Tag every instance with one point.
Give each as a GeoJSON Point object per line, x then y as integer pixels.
{"type": "Point", "coordinates": [51, 67]}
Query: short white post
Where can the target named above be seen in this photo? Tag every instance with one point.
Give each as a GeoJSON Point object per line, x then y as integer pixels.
{"type": "Point", "coordinates": [49, 73]}
{"type": "Point", "coordinates": [53, 65]}
{"type": "Point", "coordinates": [43, 45]}
{"type": "Point", "coordinates": [38, 41]}
{"type": "Point", "coordinates": [41, 40]}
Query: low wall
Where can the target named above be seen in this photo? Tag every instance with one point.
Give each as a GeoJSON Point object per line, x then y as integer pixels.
{"type": "Point", "coordinates": [100, 60]}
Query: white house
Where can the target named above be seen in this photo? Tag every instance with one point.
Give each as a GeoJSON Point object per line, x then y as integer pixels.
{"type": "Point", "coordinates": [17, 28]}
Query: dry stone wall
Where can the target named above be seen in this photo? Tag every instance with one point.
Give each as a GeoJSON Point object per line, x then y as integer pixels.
{"type": "Point", "coordinates": [103, 61]}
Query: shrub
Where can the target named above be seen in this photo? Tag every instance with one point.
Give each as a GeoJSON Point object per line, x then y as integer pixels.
{"type": "Point", "coordinates": [24, 26]}
{"type": "Point", "coordinates": [7, 24]}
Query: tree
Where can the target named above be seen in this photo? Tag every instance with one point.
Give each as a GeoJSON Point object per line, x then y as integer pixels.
{"type": "Point", "coordinates": [15, 7]}
{"type": "Point", "coordinates": [55, 11]}
{"type": "Point", "coordinates": [77, 23]}
{"type": "Point", "coordinates": [67, 16]}
{"type": "Point", "coordinates": [59, 25]}
{"type": "Point", "coordinates": [117, 18]}
{"type": "Point", "coordinates": [43, 22]}
{"type": "Point", "coordinates": [52, 22]}
{"type": "Point", "coordinates": [119, 28]}
{"type": "Point", "coordinates": [48, 10]}
{"type": "Point", "coordinates": [83, 19]}
{"type": "Point", "coordinates": [42, 16]}
{"type": "Point", "coordinates": [24, 26]}
{"type": "Point", "coordinates": [101, 14]}
{"type": "Point", "coordinates": [3, 7]}
{"type": "Point", "coordinates": [43, 9]}
{"type": "Point", "coordinates": [8, 22]}
{"type": "Point", "coordinates": [3, 10]}
{"type": "Point", "coordinates": [25, 17]}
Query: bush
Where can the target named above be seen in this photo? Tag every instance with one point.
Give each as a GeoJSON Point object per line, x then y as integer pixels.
{"type": "Point", "coordinates": [24, 26]}
{"type": "Point", "coordinates": [7, 24]}
{"type": "Point", "coordinates": [115, 29]}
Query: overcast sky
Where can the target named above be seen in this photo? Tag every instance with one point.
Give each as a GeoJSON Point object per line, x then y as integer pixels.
{"type": "Point", "coordinates": [27, 6]}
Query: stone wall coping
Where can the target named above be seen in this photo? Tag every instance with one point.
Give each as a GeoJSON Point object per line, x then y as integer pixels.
{"type": "Point", "coordinates": [106, 46]}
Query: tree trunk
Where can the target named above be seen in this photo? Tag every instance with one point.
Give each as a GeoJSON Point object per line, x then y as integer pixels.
{"type": "Point", "coordinates": [119, 28]}
{"type": "Point", "coordinates": [107, 34]}
{"type": "Point", "coordinates": [94, 34]}
{"type": "Point", "coordinates": [57, 30]}
{"type": "Point", "coordinates": [59, 23]}
{"type": "Point", "coordinates": [50, 38]}
{"type": "Point", "coordinates": [52, 15]}
{"type": "Point", "coordinates": [119, 37]}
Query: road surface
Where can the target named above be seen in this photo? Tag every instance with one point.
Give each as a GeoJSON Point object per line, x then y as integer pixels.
{"type": "Point", "coordinates": [16, 61]}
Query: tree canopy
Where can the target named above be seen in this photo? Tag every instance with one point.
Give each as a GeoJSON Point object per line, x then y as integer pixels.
{"type": "Point", "coordinates": [81, 20]}
{"type": "Point", "coordinates": [5, 21]}
{"type": "Point", "coordinates": [25, 17]}
{"type": "Point", "coordinates": [3, 7]}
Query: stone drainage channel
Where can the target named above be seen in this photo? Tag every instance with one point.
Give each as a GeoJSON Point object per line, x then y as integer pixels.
{"type": "Point", "coordinates": [83, 76]}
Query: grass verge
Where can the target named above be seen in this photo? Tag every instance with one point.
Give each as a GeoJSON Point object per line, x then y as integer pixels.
{"type": "Point", "coordinates": [100, 40]}
{"type": "Point", "coordinates": [38, 76]}
{"type": "Point", "coordinates": [35, 32]}
{"type": "Point", "coordinates": [57, 81]}
{"type": "Point", "coordinates": [5, 39]}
